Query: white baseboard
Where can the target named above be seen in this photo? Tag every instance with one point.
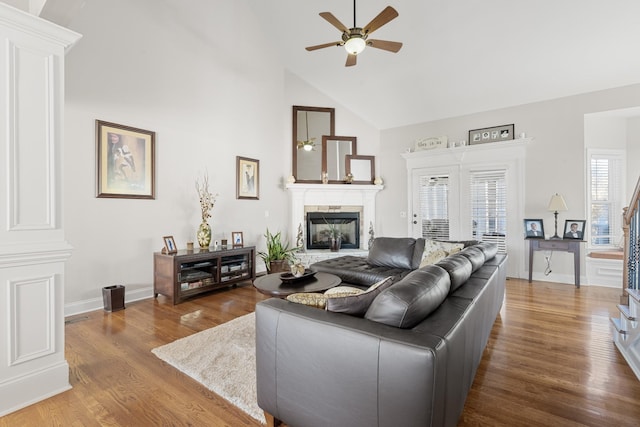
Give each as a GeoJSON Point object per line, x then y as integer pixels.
{"type": "Point", "coordinates": [93, 304]}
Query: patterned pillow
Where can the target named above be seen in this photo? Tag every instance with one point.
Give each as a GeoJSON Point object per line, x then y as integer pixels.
{"type": "Point", "coordinates": [358, 304]}
{"type": "Point", "coordinates": [342, 291]}
{"type": "Point", "coordinates": [309, 298]}
{"type": "Point", "coordinates": [433, 257]}
{"type": "Point", "coordinates": [431, 246]}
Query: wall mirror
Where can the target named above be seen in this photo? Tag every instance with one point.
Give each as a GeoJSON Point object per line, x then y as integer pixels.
{"type": "Point", "coordinates": [309, 124]}
{"type": "Point", "coordinates": [362, 168]}
{"type": "Point", "coordinates": [334, 152]}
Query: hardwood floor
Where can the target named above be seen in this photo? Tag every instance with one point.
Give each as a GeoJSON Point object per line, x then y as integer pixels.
{"type": "Point", "coordinates": [550, 361]}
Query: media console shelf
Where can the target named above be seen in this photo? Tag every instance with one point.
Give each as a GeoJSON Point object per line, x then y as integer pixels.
{"type": "Point", "coordinates": [187, 273]}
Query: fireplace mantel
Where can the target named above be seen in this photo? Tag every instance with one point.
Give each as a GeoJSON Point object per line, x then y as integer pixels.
{"type": "Point", "coordinates": [302, 195]}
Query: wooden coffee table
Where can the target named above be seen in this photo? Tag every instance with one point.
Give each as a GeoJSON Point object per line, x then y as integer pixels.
{"type": "Point", "coordinates": [272, 285]}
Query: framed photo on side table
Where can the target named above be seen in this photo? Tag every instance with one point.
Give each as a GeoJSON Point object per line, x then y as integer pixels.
{"type": "Point", "coordinates": [247, 178]}
{"type": "Point", "coordinates": [237, 240]}
{"type": "Point", "coordinates": [574, 229]}
{"type": "Point", "coordinates": [533, 229]}
{"type": "Point", "coordinates": [169, 245]}
{"type": "Point", "coordinates": [125, 161]}
{"type": "Point", "coordinates": [492, 134]}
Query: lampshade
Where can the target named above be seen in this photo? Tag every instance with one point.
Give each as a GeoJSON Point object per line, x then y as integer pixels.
{"type": "Point", "coordinates": [557, 204]}
{"type": "Point", "coordinates": [355, 45]}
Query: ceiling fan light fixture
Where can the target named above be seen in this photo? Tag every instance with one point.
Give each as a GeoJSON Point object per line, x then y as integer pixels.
{"type": "Point", "coordinates": [355, 45]}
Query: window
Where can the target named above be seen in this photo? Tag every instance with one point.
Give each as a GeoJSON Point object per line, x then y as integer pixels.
{"type": "Point", "coordinates": [488, 191]}
{"type": "Point", "coordinates": [606, 190]}
{"type": "Point", "coordinates": [434, 208]}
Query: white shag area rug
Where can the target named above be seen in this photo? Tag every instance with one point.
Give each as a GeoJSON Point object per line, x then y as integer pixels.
{"type": "Point", "coordinates": [223, 359]}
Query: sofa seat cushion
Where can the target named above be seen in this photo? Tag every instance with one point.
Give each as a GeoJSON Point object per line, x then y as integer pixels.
{"type": "Point", "coordinates": [396, 252]}
{"type": "Point", "coordinates": [357, 271]}
{"type": "Point", "coordinates": [459, 269]}
{"type": "Point", "coordinates": [356, 304]}
{"type": "Point", "coordinates": [407, 302]}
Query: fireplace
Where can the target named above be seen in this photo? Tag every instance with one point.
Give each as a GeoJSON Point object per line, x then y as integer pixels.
{"type": "Point", "coordinates": [320, 223]}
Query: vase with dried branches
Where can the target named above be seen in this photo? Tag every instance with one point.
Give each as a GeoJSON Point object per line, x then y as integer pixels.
{"type": "Point", "coordinates": [207, 202]}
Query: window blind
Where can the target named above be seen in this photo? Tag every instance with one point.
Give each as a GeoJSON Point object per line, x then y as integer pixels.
{"type": "Point", "coordinates": [488, 192]}
{"type": "Point", "coordinates": [434, 208]}
{"type": "Point", "coordinates": [605, 222]}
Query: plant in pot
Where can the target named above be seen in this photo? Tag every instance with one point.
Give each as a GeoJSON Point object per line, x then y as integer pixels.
{"type": "Point", "coordinates": [335, 236]}
{"type": "Point", "coordinates": [278, 254]}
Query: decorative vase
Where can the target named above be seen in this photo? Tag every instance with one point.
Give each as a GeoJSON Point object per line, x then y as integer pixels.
{"type": "Point", "coordinates": [204, 235]}
{"type": "Point", "coordinates": [336, 242]}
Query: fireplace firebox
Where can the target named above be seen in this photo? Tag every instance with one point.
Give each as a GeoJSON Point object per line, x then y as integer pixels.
{"type": "Point", "coordinates": [318, 229]}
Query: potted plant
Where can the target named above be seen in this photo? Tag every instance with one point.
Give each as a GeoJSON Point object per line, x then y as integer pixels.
{"type": "Point", "coordinates": [278, 254]}
{"type": "Point", "coordinates": [335, 236]}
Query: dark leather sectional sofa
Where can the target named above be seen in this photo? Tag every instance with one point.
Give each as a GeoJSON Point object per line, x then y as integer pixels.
{"type": "Point", "coordinates": [410, 361]}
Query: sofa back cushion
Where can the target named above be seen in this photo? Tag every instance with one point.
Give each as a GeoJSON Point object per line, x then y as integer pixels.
{"type": "Point", "coordinates": [490, 249]}
{"type": "Point", "coordinates": [411, 300]}
{"type": "Point", "coordinates": [396, 252]}
{"type": "Point", "coordinates": [475, 255]}
{"type": "Point", "coordinates": [459, 269]}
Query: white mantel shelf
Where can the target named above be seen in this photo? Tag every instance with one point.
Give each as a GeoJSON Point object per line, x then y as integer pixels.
{"type": "Point", "coordinates": [302, 195]}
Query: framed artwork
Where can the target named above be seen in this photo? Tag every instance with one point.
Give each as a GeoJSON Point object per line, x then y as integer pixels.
{"type": "Point", "coordinates": [126, 162]}
{"type": "Point", "coordinates": [362, 168]}
{"type": "Point", "coordinates": [533, 229]}
{"type": "Point", "coordinates": [492, 134]}
{"type": "Point", "coordinates": [237, 239]}
{"type": "Point", "coordinates": [169, 245]}
{"type": "Point", "coordinates": [247, 178]}
{"type": "Point", "coordinates": [574, 229]}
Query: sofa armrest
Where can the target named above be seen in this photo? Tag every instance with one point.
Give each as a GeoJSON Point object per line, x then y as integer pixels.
{"type": "Point", "coordinates": [309, 362]}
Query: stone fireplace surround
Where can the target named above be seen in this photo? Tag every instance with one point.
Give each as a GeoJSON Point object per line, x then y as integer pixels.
{"type": "Point", "coordinates": [304, 198]}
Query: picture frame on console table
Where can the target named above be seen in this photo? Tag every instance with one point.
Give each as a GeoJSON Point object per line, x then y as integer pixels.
{"type": "Point", "coordinates": [125, 161]}
{"type": "Point", "coordinates": [247, 178]}
{"type": "Point", "coordinates": [169, 245]}
{"type": "Point", "coordinates": [574, 229]}
{"type": "Point", "coordinates": [492, 134]}
{"type": "Point", "coordinates": [237, 239]}
{"type": "Point", "coordinates": [533, 228]}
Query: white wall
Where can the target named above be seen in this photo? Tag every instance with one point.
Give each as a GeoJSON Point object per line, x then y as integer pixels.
{"type": "Point", "coordinates": [208, 96]}
{"type": "Point", "coordinates": [555, 159]}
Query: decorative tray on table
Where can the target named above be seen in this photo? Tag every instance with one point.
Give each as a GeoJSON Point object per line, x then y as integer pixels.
{"type": "Point", "coordinates": [288, 277]}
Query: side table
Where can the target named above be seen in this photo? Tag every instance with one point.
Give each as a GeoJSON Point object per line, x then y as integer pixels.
{"type": "Point", "coordinates": [572, 246]}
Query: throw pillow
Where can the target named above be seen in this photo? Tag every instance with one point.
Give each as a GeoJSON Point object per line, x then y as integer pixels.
{"type": "Point", "coordinates": [431, 246]}
{"type": "Point", "coordinates": [433, 257]}
{"type": "Point", "coordinates": [342, 291]}
{"type": "Point", "coordinates": [358, 304]}
{"type": "Point", "coordinates": [309, 298]}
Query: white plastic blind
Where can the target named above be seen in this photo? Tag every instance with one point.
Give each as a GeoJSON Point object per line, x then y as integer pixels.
{"type": "Point", "coordinates": [434, 208]}
{"type": "Point", "coordinates": [605, 222]}
{"type": "Point", "coordinates": [488, 191]}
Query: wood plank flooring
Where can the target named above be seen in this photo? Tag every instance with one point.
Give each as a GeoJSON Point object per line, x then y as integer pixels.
{"type": "Point", "coordinates": [550, 361]}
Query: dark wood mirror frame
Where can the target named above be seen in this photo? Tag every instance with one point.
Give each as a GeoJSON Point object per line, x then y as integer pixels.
{"type": "Point", "coordinates": [316, 169]}
{"type": "Point", "coordinates": [359, 166]}
{"type": "Point", "coordinates": [337, 176]}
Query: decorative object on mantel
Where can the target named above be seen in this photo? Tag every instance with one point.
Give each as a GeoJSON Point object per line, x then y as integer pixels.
{"type": "Point", "coordinates": [492, 134]}
{"type": "Point", "coordinates": [378, 181]}
{"type": "Point", "coordinates": [299, 238]}
{"type": "Point", "coordinates": [557, 204]}
{"type": "Point", "coordinates": [207, 202]}
{"type": "Point", "coordinates": [430, 143]}
{"type": "Point", "coordinates": [278, 254]}
{"type": "Point", "coordinates": [291, 179]}
{"type": "Point", "coordinates": [325, 177]}
{"type": "Point", "coordinates": [371, 235]}
{"type": "Point", "coordinates": [349, 178]}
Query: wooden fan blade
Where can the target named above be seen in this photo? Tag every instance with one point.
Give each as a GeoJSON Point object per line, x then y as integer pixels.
{"type": "Point", "coordinates": [385, 45]}
{"type": "Point", "coordinates": [334, 21]}
{"type": "Point", "coordinates": [322, 46]}
{"type": "Point", "coordinates": [351, 61]}
{"type": "Point", "coordinates": [383, 17]}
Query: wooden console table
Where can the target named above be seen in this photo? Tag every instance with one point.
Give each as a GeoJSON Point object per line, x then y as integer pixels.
{"type": "Point", "coordinates": [572, 246]}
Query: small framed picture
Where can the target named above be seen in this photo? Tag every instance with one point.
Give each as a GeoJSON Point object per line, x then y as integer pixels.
{"type": "Point", "coordinates": [247, 178]}
{"type": "Point", "coordinates": [533, 229]}
{"type": "Point", "coordinates": [237, 239]}
{"type": "Point", "coordinates": [169, 245]}
{"type": "Point", "coordinates": [492, 134]}
{"type": "Point", "coordinates": [574, 229]}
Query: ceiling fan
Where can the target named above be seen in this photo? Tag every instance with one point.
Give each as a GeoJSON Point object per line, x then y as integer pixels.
{"type": "Point", "coordinates": [356, 39]}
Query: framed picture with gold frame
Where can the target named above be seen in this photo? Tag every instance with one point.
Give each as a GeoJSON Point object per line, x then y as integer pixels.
{"type": "Point", "coordinates": [125, 161]}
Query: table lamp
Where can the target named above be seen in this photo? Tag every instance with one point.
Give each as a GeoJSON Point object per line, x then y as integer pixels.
{"type": "Point", "coordinates": [557, 204]}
